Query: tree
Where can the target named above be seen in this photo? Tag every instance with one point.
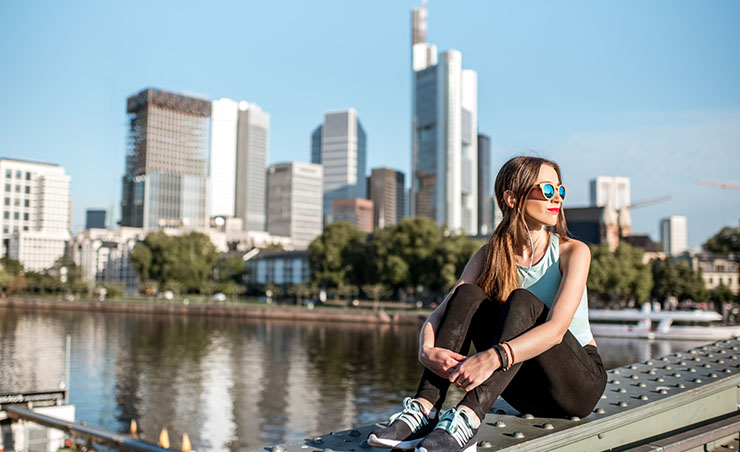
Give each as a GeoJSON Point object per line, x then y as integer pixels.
{"type": "Point", "coordinates": [12, 266]}
{"type": "Point", "coordinates": [727, 240]}
{"type": "Point", "coordinates": [334, 255]}
{"type": "Point", "coordinates": [178, 262]}
{"type": "Point", "coordinates": [230, 268]}
{"type": "Point", "coordinates": [5, 280]}
{"type": "Point", "coordinates": [620, 275]}
{"type": "Point", "coordinates": [677, 279]}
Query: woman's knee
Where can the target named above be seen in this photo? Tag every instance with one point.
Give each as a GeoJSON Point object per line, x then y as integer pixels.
{"type": "Point", "coordinates": [467, 296]}
{"type": "Point", "coordinates": [523, 300]}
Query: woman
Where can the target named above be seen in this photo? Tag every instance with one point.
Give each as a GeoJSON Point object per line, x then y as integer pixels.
{"type": "Point", "coordinates": [521, 300]}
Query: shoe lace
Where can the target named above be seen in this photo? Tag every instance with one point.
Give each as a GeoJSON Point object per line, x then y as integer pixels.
{"type": "Point", "coordinates": [457, 423]}
{"type": "Point", "coordinates": [412, 415]}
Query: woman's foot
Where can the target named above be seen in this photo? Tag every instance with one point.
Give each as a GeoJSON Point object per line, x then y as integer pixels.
{"type": "Point", "coordinates": [405, 429]}
{"type": "Point", "coordinates": [455, 432]}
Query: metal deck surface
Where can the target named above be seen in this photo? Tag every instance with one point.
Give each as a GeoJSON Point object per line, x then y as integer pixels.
{"type": "Point", "coordinates": [641, 401]}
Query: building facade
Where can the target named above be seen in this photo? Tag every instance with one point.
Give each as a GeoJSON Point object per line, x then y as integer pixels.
{"type": "Point", "coordinates": [295, 201]}
{"type": "Point", "coordinates": [95, 218]}
{"type": "Point", "coordinates": [386, 191]}
{"type": "Point", "coordinates": [166, 182]}
{"type": "Point", "coordinates": [717, 268]}
{"type": "Point", "coordinates": [103, 255]}
{"type": "Point", "coordinates": [36, 217]}
{"type": "Point", "coordinates": [485, 187]}
{"type": "Point", "coordinates": [224, 119]}
{"type": "Point", "coordinates": [358, 212]}
{"type": "Point", "coordinates": [279, 267]}
{"type": "Point", "coordinates": [251, 164]}
{"type": "Point", "coordinates": [444, 155]}
{"type": "Point", "coordinates": [615, 189]}
{"type": "Point", "coordinates": [674, 235]}
{"type": "Point", "coordinates": [339, 145]}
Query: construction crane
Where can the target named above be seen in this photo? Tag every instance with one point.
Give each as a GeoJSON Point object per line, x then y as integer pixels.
{"type": "Point", "coordinates": [722, 185]}
{"type": "Point", "coordinates": [648, 202]}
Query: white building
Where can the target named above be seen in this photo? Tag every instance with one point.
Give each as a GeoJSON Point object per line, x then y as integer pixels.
{"type": "Point", "coordinates": [444, 154]}
{"type": "Point", "coordinates": [36, 216]}
{"type": "Point", "coordinates": [295, 201]}
{"type": "Point", "coordinates": [103, 255]}
{"type": "Point", "coordinates": [224, 119]}
{"type": "Point", "coordinates": [674, 235]}
{"type": "Point", "coordinates": [251, 164]}
{"type": "Point", "coordinates": [339, 144]}
{"type": "Point", "coordinates": [604, 189]}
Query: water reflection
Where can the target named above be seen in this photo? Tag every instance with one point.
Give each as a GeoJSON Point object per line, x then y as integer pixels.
{"type": "Point", "coordinates": [230, 384]}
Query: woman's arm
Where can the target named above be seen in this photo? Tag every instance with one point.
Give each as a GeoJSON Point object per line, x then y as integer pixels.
{"type": "Point", "coordinates": [575, 259]}
{"type": "Point", "coordinates": [439, 360]}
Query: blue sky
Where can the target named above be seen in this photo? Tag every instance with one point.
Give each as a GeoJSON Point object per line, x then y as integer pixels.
{"type": "Point", "coordinates": [644, 89]}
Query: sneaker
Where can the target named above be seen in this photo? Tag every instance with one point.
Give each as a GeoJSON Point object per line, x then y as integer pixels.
{"type": "Point", "coordinates": [454, 433]}
{"type": "Point", "coordinates": [405, 429]}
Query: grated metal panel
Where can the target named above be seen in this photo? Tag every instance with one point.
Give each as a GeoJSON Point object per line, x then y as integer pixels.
{"type": "Point", "coordinates": [641, 401]}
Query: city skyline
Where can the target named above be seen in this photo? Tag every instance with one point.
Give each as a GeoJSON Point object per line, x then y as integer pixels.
{"type": "Point", "coordinates": [641, 90]}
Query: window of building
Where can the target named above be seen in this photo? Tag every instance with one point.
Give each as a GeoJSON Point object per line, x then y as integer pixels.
{"type": "Point", "coordinates": [18, 174]}
{"type": "Point", "coordinates": [711, 281]}
{"type": "Point", "coordinates": [719, 268]}
{"type": "Point", "coordinates": [6, 229]}
{"type": "Point", "coordinates": [7, 201]}
{"type": "Point", "coordinates": [28, 189]}
{"type": "Point", "coordinates": [6, 215]}
{"type": "Point", "coordinates": [17, 188]}
{"type": "Point", "coordinates": [25, 228]}
{"type": "Point", "coordinates": [25, 216]}
{"type": "Point", "coordinates": [8, 173]}
{"type": "Point", "coordinates": [28, 175]}
{"type": "Point", "coordinates": [26, 203]}
{"type": "Point", "coordinates": [17, 202]}
{"type": "Point", "coordinates": [7, 187]}
{"type": "Point", "coordinates": [16, 215]}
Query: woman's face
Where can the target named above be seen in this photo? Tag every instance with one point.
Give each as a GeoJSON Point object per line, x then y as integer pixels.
{"type": "Point", "coordinates": [538, 210]}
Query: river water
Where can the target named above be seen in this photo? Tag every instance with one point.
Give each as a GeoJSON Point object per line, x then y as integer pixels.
{"type": "Point", "coordinates": [230, 384]}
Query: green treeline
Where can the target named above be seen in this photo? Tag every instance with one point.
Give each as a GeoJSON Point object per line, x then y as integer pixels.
{"type": "Point", "coordinates": [413, 260]}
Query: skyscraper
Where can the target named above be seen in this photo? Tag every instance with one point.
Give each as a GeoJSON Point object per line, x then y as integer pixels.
{"type": "Point", "coordinates": [616, 190]}
{"type": "Point", "coordinates": [166, 180]}
{"type": "Point", "coordinates": [386, 190]}
{"type": "Point", "coordinates": [251, 164]}
{"type": "Point", "coordinates": [339, 144]}
{"type": "Point", "coordinates": [674, 235]}
{"type": "Point", "coordinates": [95, 218]}
{"type": "Point", "coordinates": [358, 212]}
{"type": "Point", "coordinates": [35, 222]}
{"type": "Point", "coordinates": [224, 119]}
{"type": "Point", "coordinates": [485, 196]}
{"type": "Point", "coordinates": [444, 155]}
{"type": "Point", "coordinates": [294, 204]}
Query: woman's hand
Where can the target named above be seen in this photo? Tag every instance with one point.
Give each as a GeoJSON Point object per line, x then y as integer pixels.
{"type": "Point", "coordinates": [475, 370]}
{"type": "Point", "coordinates": [440, 360]}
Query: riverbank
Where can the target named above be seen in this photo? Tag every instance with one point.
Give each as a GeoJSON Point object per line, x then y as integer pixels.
{"type": "Point", "coordinates": [277, 312]}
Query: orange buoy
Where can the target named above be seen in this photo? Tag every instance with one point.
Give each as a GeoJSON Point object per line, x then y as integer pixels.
{"type": "Point", "coordinates": [134, 429]}
{"type": "Point", "coordinates": [186, 447]}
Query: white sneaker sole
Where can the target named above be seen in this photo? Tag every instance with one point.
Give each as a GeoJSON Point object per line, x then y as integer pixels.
{"type": "Point", "coordinates": [374, 441]}
{"type": "Point", "coordinates": [471, 448]}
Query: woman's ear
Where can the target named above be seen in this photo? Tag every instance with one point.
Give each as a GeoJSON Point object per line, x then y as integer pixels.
{"type": "Point", "coordinates": [509, 199]}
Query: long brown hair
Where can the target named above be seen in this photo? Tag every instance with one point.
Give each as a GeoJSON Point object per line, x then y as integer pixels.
{"type": "Point", "coordinates": [499, 276]}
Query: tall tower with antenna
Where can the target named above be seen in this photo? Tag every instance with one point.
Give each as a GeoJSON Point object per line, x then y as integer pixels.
{"type": "Point", "coordinates": [444, 128]}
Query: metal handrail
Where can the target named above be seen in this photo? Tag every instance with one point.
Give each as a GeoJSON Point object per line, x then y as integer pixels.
{"type": "Point", "coordinates": [87, 432]}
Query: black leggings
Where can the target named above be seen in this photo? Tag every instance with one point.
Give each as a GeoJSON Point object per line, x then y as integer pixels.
{"type": "Point", "coordinates": [566, 380]}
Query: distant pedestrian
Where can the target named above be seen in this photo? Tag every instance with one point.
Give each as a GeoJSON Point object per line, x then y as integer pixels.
{"type": "Point", "coordinates": [521, 300]}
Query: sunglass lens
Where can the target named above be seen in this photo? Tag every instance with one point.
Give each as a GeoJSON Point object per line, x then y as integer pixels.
{"type": "Point", "coordinates": [561, 192]}
{"type": "Point", "coordinates": [548, 190]}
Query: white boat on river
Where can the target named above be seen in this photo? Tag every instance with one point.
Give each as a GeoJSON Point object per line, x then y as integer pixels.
{"type": "Point", "coordinates": [693, 325]}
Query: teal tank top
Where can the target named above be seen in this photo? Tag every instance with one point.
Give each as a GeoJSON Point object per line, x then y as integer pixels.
{"type": "Point", "coordinates": [543, 280]}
